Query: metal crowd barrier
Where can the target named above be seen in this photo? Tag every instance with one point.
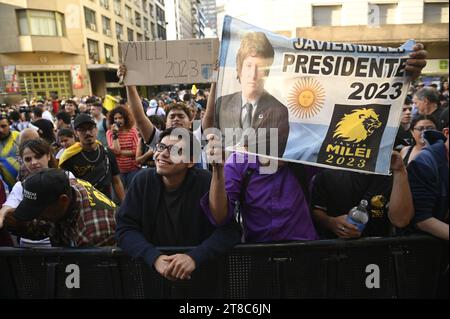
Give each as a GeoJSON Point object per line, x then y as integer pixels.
{"type": "Point", "coordinates": [409, 267]}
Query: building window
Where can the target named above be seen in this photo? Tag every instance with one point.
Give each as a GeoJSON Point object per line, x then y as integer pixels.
{"type": "Point", "coordinates": [326, 15]}
{"type": "Point", "coordinates": [151, 8]}
{"type": "Point", "coordinates": [129, 14]}
{"type": "Point", "coordinates": [161, 33]}
{"type": "Point", "coordinates": [46, 84]}
{"type": "Point", "coordinates": [160, 16]}
{"type": "Point", "coordinates": [138, 19]}
{"type": "Point", "coordinates": [161, 1]}
{"type": "Point", "coordinates": [105, 4]}
{"type": "Point", "coordinates": [145, 24]}
{"type": "Point", "coordinates": [119, 32]}
{"type": "Point", "coordinates": [152, 29]}
{"type": "Point", "coordinates": [117, 8]}
{"type": "Point", "coordinates": [144, 6]}
{"type": "Point", "coordinates": [43, 23]}
{"type": "Point", "coordinates": [89, 16]}
{"type": "Point", "coordinates": [106, 23]}
{"type": "Point", "coordinates": [93, 50]}
{"type": "Point", "coordinates": [109, 53]}
{"type": "Point", "coordinates": [130, 35]}
{"type": "Point", "coordinates": [385, 13]}
{"type": "Point", "coordinates": [138, 37]}
{"type": "Point", "coordinates": [435, 12]}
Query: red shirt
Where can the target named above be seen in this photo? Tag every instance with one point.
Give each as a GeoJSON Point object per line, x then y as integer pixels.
{"type": "Point", "coordinates": [128, 141]}
{"type": "Point", "coordinates": [55, 105]}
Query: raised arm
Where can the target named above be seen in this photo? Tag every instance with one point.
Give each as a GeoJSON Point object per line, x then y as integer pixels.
{"type": "Point", "coordinates": [208, 118]}
{"type": "Point", "coordinates": [218, 199]}
{"type": "Point", "coordinates": [417, 61]}
{"type": "Point", "coordinates": [401, 207]}
{"type": "Point", "coordinates": [142, 158]}
{"type": "Point", "coordinates": [143, 124]}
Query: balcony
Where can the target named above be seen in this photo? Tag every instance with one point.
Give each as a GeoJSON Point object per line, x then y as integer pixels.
{"type": "Point", "coordinates": [33, 43]}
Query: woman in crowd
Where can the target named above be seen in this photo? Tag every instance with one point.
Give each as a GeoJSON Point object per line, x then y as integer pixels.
{"type": "Point", "coordinates": [36, 155]}
{"type": "Point", "coordinates": [420, 124]}
{"type": "Point", "coordinates": [123, 140]}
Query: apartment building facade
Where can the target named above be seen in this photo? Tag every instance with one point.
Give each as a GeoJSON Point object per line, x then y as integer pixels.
{"type": "Point", "coordinates": [210, 11]}
{"type": "Point", "coordinates": [186, 19]}
{"type": "Point", "coordinates": [70, 47]}
{"type": "Point", "coordinates": [375, 22]}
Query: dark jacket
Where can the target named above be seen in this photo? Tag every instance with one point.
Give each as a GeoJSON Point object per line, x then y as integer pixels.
{"type": "Point", "coordinates": [270, 113]}
{"type": "Point", "coordinates": [428, 179]}
{"type": "Point", "coordinates": [136, 220]}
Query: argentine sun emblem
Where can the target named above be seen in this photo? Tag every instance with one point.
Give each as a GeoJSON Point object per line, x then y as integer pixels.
{"type": "Point", "coordinates": [306, 98]}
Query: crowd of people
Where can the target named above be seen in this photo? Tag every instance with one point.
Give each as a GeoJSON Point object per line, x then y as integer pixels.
{"type": "Point", "coordinates": [75, 175]}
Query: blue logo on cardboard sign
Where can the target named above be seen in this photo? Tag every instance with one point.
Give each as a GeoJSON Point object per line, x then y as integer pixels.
{"type": "Point", "coordinates": [206, 71]}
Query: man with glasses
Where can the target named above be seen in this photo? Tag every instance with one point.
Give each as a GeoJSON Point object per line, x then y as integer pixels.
{"type": "Point", "coordinates": [9, 164]}
{"type": "Point", "coordinates": [91, 161]}
{"type": "Point", "coordinates": [178, 115]}
{"type": "Point", "coordinates": [162, 208]}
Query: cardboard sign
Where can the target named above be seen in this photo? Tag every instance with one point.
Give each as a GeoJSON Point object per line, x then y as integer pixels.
{"type": "Point", "coordinates": [169, 62]}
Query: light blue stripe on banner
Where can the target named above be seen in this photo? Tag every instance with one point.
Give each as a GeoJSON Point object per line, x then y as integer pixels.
{"type": "Point", "coordinates": [304, 141]}
{"type": "Point", "coordinates": [387, 144]}
{"type": "Point", "coordinates": [225, 43]}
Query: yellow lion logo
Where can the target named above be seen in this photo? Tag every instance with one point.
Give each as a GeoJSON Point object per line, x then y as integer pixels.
{"type": "Point", "coordinates": [357, 126]}
{"type": "Point", "coordinates": [378, 201]}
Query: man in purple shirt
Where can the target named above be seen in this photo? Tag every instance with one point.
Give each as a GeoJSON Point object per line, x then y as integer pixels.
{"type": "Point", "coordinates": [275, 206]}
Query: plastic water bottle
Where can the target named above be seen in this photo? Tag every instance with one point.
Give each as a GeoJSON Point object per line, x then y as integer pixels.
{"type": "Point", "coordinates": [358, 215]}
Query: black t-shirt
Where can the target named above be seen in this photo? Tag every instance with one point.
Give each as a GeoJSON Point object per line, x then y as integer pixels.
{"type": "Point", "coordinates": [94, 167]}
{"type": "Point", "coordinates": [336, 192]}
{"type": "Point", "coordinates": [437, 115]}
{"type": "Point", "coordinates": [169, 231]}
{"type": "Point", "coordinates": [403, 137]}
{"type": "Point", "coordinates": [144, 149]}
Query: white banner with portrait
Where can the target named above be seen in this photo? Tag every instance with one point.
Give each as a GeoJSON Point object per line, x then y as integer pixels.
{"type": "Point", "coordinates": [326, 104]}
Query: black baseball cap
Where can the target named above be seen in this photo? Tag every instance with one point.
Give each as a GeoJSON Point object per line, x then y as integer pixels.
{"type": "Point", "coordinates": [83, 119]}
{"type": "Point", "coordinates": [41, 190]}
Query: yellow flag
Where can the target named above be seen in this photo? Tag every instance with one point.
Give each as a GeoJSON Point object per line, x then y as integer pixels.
{"type": "Point", "coordinates": [194, 90]}
{"type": "Point", "coordinates": [109, 103]}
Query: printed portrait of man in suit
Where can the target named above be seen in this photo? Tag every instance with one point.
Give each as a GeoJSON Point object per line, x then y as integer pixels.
{"type": "Point", "coordinates": [253, 107]}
